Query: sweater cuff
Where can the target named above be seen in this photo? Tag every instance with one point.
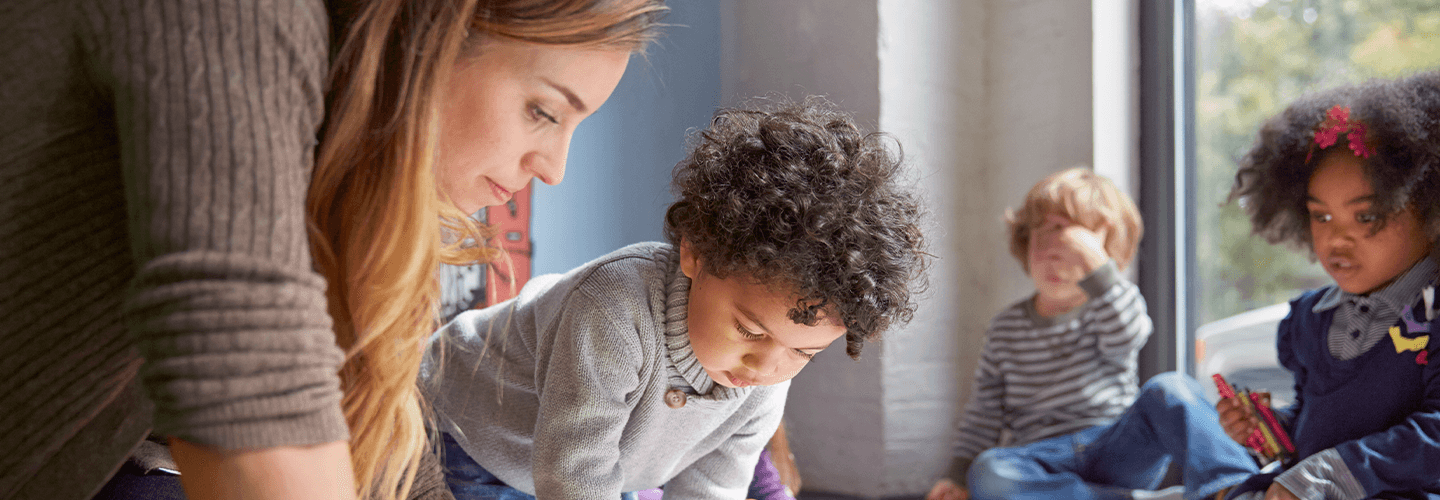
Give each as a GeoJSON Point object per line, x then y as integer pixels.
{"type": "Point", "coordinates": [1101, 279]}
{"type": "Point", "coordinates": [1322, 476]}
{"type": "Point", "coordinates": [316, 427]}
{"type": "Point", "coordinates": [959, 468]}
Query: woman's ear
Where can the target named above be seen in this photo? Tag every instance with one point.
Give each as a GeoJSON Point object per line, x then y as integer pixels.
{"type": "Point", "coordinates": [689, 261]}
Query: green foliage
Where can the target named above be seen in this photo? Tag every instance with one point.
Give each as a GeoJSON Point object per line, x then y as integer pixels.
{"type": "Point", "coordinates": [1251, 61]}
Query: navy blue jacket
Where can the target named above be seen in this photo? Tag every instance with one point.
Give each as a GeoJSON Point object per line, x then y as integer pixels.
{"type": "Point", "coordinates": [1380, 411]}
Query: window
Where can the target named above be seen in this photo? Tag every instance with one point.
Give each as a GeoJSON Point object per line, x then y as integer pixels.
{"type": "Point", "coordinates": [1247, 60]}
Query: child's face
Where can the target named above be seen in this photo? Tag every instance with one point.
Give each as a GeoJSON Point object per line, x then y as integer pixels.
{"type": "Point", "coordinates": [1339, 199]}
{"type": "Point", "coordinates": [741, 331]}
{"type": "Point", "coordinates": [1056, 266]}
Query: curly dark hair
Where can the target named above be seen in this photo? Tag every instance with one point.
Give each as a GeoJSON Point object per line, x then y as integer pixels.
{"type": "Point", "coordinates": [1402, 120]}
{"type": "Point", "coordinates": [795, 195]}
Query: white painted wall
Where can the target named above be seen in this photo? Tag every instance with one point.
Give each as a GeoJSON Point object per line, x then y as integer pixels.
{"type": "Point", "coordinates": [933, 100]}
{"type": "Point", "coordinates": [835, 412]}
{"type": "Point", "coordinates": [1115, 64]}
{"type": "Point", "coordinates": [987, 97]}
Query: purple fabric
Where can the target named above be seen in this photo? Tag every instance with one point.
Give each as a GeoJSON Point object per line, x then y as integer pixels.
{"type": "Point", "coordinates": [765, 485]}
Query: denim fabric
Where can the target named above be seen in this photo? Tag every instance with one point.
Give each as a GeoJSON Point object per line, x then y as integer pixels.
{"type": "Point", "coordinates": [1171, 421]}
{"type": "Point", "coordinates": [133, 483]}
{"type": "Point", "coordinates": [469, 481]}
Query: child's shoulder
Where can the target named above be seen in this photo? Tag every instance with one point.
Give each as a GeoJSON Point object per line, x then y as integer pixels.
{"type": "Point", "coordinates": [640, 270]}
{"type": "Point", "coordinates": [1308, 299]}
{"type": "Point", "coordinates": [1018, 314]}
{"type": "Point", "coordinates": [632, 257]}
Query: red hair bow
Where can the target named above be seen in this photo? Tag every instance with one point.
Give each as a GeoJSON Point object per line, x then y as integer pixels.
{"type": "Point", "coordinates": [1337, 121]}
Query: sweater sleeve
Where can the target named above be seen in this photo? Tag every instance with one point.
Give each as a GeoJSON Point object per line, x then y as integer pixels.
{"type": "Point", "coordinates": [585, 376]}
{"type": "Point", "coordinates": [217, 106]}
{"type": "Point", "coordinates": [726, 472]}
{"type": "Point", "coordinates": [980, 426]}
{"type": "Point", "coordinates": [1121, 323]}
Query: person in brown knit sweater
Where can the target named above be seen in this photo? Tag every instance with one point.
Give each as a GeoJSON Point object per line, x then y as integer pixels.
{"type": "Point", "coordinates": [155, 244]}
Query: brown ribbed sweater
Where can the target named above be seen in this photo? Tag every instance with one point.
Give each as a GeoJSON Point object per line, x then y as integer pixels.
{"type": "Point", "coordinates": [154, 157]}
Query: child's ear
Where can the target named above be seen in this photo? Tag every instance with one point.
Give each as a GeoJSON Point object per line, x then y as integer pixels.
{"type": "Point", "coordinates": [689, 261]}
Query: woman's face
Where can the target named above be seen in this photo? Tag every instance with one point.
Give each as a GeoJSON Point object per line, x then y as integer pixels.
{"type": "Point", "coordinates": [507, 114]}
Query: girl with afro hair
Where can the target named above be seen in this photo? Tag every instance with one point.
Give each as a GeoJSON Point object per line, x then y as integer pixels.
{"type": "Point", "coordinates": [1351, 175]}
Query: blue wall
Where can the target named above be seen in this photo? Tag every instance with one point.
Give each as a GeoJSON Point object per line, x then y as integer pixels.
{"type": "Point", "coordinates": [617, 179]}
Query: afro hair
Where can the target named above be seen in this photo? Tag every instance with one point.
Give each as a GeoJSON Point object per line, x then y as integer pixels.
{"type": "Point", "coordinates": [1402, 129]}
{"type": "Point", "coordinates": [794, 195]}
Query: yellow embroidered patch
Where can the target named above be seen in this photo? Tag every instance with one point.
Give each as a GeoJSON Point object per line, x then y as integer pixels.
{"type": "Point", "coordinates": [1403, 344]}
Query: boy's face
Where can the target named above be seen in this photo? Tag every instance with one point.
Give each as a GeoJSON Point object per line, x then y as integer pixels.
{"type": "Point", "coordinates": [741, 331]}
{"type": "Point", "coordinates": [1056, 266]}
{"type": "Point", "coordinates": [1339, 200]}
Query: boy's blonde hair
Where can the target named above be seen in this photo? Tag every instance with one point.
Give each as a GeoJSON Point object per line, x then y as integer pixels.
{"type": "Point", "coordinates": [1083, 196]}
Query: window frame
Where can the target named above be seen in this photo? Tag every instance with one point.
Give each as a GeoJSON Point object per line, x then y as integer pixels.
{"type": "Point", "coordinates": [1167, 145]}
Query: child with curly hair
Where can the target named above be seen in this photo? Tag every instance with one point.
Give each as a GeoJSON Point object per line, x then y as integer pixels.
{"type": "Point", "coordinates": [668, 364]}
{"type": "Point", "coordinates": [1058, 370]}
{"type": "Point", "coordinates": [1352, 175]}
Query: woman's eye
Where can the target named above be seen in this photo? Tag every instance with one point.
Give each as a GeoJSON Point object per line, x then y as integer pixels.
{"type": "Point", "coordinates": [1366, 217]}
{"type": "Point", "coordinates": [807, 355]}
{"type": "Point", "coordinates": [536, 113]}
{"type": "Point", "coordinates": [1320, 217]}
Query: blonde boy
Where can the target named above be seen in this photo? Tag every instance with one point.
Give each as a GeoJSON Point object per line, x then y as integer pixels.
{"type": "Point", "coordinates": [1058, 370]}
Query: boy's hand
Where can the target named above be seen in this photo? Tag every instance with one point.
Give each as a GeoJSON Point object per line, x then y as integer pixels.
{"type": "Point", "coordinates": [945, 489]}
{"type": "Point", "coordinates": [1085, 246]}
{"type": "Point", "coordinates": [1277, 492]}
{"type": "Point", "coordinates": [1239, 422]}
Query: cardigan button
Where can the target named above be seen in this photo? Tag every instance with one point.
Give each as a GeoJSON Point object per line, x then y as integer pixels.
{"type": "Point", "coordinates": [675, 398]}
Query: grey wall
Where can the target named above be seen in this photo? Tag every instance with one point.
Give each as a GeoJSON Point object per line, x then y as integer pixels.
{"type": "Point", "coordinates": [617, 179]}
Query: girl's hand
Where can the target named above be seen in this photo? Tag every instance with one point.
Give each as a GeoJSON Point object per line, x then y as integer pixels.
{"type": "Point", "coordinates": [1239, 422]}
{"type": "Point", "coordinates": [1277, 492]}
{"type": "Point", "coordinates": [945, 489]}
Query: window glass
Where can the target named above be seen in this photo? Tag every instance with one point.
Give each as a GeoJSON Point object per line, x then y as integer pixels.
{"type": "Point", "coordinates": [1251, 58]}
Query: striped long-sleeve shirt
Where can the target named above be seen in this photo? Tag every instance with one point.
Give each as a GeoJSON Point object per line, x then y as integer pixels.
{"type": "Point", "coordinates": [1044, 377]}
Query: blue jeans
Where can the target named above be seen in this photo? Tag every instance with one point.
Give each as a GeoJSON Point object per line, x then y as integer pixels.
{"type": "Point", "coordinates": [1170, 421]}
{"type": "Point", "coordinates": [469, 481]}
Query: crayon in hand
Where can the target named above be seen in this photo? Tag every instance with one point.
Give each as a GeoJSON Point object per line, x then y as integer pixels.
{"type": "Point", "coordinates": [1269, 439]}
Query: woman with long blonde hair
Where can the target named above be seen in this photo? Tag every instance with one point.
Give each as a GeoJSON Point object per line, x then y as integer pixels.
{"type": "Point", "coordinates": [153, 230]}
{"type": "Point", "coordinates": [438, 108]}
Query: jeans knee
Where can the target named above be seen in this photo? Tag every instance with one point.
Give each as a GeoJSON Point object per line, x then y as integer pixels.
{"type": "Point", "coordinates": [991, 476]}
{"type": "Point", "coordinates": [1172, 385]}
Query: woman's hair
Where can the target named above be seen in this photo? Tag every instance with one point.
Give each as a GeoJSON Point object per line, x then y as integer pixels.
{"type": "Point", "coordinates": [1083, 196]}
{"type": "Point", "coordinates": [377, 220]}
{"type": "Point", "coordinates": [794, 196]}
{"type": "Point", "coordinates": [1401, 123]}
